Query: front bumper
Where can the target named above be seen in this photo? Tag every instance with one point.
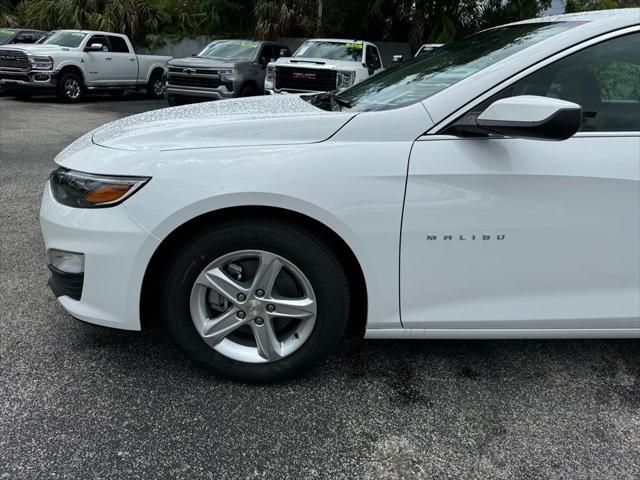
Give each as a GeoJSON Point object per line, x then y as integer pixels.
{"type": "Point", "coordinates": [117, 250]}
{"type": "Point", "coordinates": [218, 93]}
{"type": "Point", "coordinates": [28, 80]}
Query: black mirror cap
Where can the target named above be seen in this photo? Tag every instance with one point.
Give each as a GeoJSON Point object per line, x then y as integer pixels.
{"type": "Point", "coordinates": [560, 126]}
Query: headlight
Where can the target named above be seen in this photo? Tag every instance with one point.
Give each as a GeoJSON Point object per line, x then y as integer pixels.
{"type": "Point", "coordinates": [228, 75]}
{"type": "Point", "coordinates": [85, 190]}
{"type": "Point", "coordinates": [41, 62]}
{"type": "Point", "coordinates": [345, 79]}
{"type": "Point", "coordinates": [270, 73]}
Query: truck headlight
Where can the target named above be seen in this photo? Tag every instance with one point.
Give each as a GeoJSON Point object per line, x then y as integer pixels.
{"type": "Point", "coordinates": [271, 70]}
{"type": "Point", "coordinates": [40, 62]}
{"type": "Point", "coordinates": [228, 75]}
{"type": "Point", "coordinates": [85, 190]}
{"type": "Point", "coordinates": [345, 79]}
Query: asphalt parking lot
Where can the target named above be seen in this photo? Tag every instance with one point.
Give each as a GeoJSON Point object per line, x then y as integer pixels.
{"type": "Point", "coordinates": [78, 401]}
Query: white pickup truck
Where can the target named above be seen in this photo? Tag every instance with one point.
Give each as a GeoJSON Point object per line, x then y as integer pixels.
{"type": "Point", "coordinates": [322, 65]}
{"type": "Point", "coordinates": [71, 62]}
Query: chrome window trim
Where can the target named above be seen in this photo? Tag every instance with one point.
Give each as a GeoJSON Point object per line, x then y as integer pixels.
{"type": "Point", "coordinates": [533, 68]}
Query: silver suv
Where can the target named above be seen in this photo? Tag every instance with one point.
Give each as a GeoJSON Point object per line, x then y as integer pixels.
{"type": "Point", "coordinates": [223, 69]}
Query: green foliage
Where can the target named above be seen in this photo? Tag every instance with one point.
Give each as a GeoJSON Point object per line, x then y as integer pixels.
{"type": "Point", "coordinates": [416, 21]}
{"type": "Point", "coordinates": [586, 5]}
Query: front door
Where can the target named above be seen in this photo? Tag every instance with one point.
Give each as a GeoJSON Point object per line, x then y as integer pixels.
{"type": "Point", "coordinates": [506, 233]}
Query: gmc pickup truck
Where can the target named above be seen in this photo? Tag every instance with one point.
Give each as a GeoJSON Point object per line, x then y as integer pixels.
{"type": "Point", "coordinates": [322, 65]}
{"type": "Point", "coordinates": [69, 63]}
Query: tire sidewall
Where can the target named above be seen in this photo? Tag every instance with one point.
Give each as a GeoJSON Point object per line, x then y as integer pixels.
{"type": "Point", "coordinates": [323, 272]}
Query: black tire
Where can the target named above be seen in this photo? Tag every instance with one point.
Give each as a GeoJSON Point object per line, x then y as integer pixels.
{"type": "Point", "coordinates": [64, 94]}
{"type": "Point", "coordinates": [248, 91]}
{"type": "Point", "coordinates": [155, 87]}
{"type": "Point", "coordinates": [116, 93]}
{"type": "Point", "coordinates": [306, 251]}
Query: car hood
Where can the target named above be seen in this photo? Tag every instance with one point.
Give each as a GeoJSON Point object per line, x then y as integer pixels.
{"type": "Point", "coordinates": [317, 63]}
{"type": "Point", "coordinates": [201, 62]}
{"type": "Point", "coordinates": [38, 49]}
{"type": "Point", "coordinates": [267, 120]}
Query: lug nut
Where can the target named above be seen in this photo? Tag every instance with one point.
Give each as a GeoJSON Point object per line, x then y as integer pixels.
{"type": "Point", "coordinates": [242, 297]}
{"type": "Point", "coordinates": [259, 321]}
{"type": "Point", "coordinates": [241, 315]}
{"type": "Point", "coordinates": [260, 293]}
{"type": "Point", "coordinates": [271, 308]}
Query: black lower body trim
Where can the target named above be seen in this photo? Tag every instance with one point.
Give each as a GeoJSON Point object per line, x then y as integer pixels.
{"type": "Point", "coordinates": [64, 283]}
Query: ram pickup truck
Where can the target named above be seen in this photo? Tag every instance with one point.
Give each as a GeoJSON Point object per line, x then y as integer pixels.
{"type": "Point", "coordinates": [223, 69]}
{"type": "Point", "coordinates": [69, 63]}
{"type": "Point", "coordinates": [322, 65]}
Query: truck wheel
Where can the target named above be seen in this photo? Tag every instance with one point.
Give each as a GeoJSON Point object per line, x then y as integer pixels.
{"type": "Point", "coordinates": [248, 91]}
{"type": "Point", "coordinates": [70, 88]}
{"type": "Point", "coordinates": [256, 300]}
{"type": "Point", "coordinates": [155, 87]}
{"type": "Point", "coordinates": [116, 93]}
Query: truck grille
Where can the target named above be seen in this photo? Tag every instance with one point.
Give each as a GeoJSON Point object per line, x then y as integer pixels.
{"type": "Point", "coordinates": [305, 79]}
{"type": "Point", "coordinates": [14, 59]}
{"type": "Point", "coordinates": [197, 81]}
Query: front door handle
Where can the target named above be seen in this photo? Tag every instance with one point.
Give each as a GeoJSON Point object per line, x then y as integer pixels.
{"type": "Point", "coordinates": [132, 59]}
{"type": "Point", "coordinates": [107, 58]}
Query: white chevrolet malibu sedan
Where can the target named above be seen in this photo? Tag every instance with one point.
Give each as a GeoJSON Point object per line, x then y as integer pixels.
{"type": "Point", "coordinates": [490, 189]}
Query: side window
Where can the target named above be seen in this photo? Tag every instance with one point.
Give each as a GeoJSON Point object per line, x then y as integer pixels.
{"type": "Point", "coordinates": [26, 37]}
{"type": "Point", "coordinates": [267, 52]}
{"type": "Point", "coordinates": [604, 79]}
{"type": "Point", "coordinates": [100, 39]}
{"type": "Point", "coordinates": [281, 51]}
{"type": "Point", "coordinates": [373, 57]}
{"type": "Point", "coordinates": [118, 44]}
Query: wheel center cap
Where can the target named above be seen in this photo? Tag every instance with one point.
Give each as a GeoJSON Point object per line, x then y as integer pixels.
{"type": "Point", "coordinates": [254, 307]}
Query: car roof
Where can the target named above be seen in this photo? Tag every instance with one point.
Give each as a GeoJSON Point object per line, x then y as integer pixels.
{"type": "Point", "coordinates": [591, 16]}
{"type": "Point", "coordinates": [338, 40]}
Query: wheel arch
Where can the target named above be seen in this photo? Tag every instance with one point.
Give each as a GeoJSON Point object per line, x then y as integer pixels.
{"type": "Point", "coordinates": [155, 69]}
{"type": "Point", "coordinates": [357, 282]}
{"type": "Point", "coordinates": [70, 68]}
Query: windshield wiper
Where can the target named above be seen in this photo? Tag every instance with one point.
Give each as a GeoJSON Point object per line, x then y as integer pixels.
{"type": "Point", "coordinates": [330, 101]}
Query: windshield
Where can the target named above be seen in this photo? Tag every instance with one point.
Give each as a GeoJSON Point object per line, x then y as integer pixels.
{"type": "Point", "coordinates": [230, 50]}
{"type": "Point", "coordinates": [6, 34]}
{"type": "Point", "coordinates": [65, 39]}
{"type": "Point", "coordinates": [426, 75]}
{"type": "Point", "coordinates": [350, 52]}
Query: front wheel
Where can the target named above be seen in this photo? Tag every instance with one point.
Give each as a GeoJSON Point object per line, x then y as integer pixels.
{"type": "Point", "coordinates": [256, 300]}
{"type": "Point", "coordinates": [70, 88]}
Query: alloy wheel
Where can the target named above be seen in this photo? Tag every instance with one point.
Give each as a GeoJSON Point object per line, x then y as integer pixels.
{"type": "Point", "coordinates": [253, 306]}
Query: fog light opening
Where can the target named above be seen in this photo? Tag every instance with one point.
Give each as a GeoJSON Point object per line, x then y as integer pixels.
{"type": "Point", "coordinates": [68, 262]}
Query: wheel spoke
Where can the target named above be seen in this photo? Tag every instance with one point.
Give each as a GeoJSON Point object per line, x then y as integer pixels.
{"type": "Point", "coordinates": [222, 283]}
{"type": "Point", "coordinates": [293, 308]}
{"type": "Point", "coordinates": [268, 271]}
{"type": "Point", "coordinates": [213, 330]}
{"type": "Point", "coordinates": [269, 347]}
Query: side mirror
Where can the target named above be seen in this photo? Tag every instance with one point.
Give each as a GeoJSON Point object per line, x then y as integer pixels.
{"type": "Point", "coordinates": [94, 47]}
{"type": "Point", "coordinates": [194, 54]}
{"type": "Point", "coordinates": [264, 61]}
{"type": "Point", "coordinates": [397, 59]}
{"type": "Point", "coordinates": [284, 52]}
{"type": "Point", "coordinates": [530, 116]}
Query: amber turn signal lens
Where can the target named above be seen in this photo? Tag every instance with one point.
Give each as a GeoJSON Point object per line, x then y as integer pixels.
{"type": "Point", "coordinates": [106, 193]}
